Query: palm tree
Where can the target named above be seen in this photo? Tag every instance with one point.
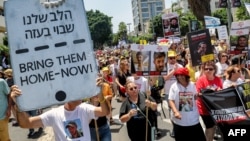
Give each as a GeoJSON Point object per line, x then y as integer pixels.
{"type": "Point", "coordinates": [200, 8]}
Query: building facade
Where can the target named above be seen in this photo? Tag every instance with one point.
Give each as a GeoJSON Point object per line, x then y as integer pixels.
{"type": "Point", "coordinates": [143, 11]}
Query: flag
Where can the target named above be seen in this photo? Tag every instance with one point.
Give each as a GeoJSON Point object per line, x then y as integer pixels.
{"type": "Point", "coordinates": [247, 5]}
{"type": "Point", "coordinates": [211, 21]}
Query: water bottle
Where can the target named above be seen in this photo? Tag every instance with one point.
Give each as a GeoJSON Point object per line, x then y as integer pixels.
{"type": "Point", "coordinates": [133, 106]}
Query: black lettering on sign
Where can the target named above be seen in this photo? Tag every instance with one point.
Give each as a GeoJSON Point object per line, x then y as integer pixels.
{"type": "Point", "coordinates": [71, 58]}
{"type": "Point", "coordinates": [37, 78]}
{"type": "Point", "coordinates": [35, 65]}
{"type": "Point", "coordinates": [73, 71]}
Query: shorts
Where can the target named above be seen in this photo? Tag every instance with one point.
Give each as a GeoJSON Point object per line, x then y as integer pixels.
{"type": "Point", "coordinates": [208, 121]}
{"type": "Point", "coordinates": [4, 129]}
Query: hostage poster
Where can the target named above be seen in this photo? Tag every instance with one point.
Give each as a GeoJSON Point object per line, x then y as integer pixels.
{"type": "Point", "coordinates": [200, 47]}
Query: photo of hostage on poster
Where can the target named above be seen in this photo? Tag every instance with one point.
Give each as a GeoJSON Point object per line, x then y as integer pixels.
{"type": "Point", "coordinates": [148, 59]}
{"type": "Point", "coordinates": [239, 47]}
{"type": "Point", "coordinates": [170, 23]}
{"type": "Point", "coordinates": [141, 60]}
{"type": "Point", "coordinates": [200, 46]}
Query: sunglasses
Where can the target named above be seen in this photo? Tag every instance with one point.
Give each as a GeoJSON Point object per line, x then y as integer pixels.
{"type": "Point", "coordinates": [224, 56]}
{"type": "Point", "coordinates": [171, 58]}
{"type": "Point", "coordinates": [133, 88]}
{"type": "Point", "coordinates": [210, 69]}
{"type": "Point", "coordinates": [238, 71]}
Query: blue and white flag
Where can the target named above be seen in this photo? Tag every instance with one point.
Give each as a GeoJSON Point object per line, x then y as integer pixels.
{"type": "Point", "coordinates": [211, 22]}
{"type": "Point", "coordinates": [247, 5]}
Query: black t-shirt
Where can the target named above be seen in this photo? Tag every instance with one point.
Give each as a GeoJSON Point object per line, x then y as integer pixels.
{"type": "Point", "coordinates": [100, 122]}
{"type": "Point", "coordinates": [136, 126]}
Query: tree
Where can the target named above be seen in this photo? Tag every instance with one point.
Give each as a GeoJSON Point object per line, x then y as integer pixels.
{"type": "Point", "coordinates": [222, 15]}
{"type": "Point", "coordinates": [200, 8]}
{"type": "Point", "coordinates": [241, 12]}
{"type": "Point", "coordinates": [122, 31]}
{"type": "Point", "coordinates": [100, 27]}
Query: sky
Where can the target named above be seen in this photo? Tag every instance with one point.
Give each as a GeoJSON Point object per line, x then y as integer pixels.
{"type": "Point", "coordinates": [120, 10]}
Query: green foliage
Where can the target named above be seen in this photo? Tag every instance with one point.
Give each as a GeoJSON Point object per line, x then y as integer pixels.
{"type": "Point", "coordinates": [222, 15]}
{"type": "Point", "coordinates": [241, 12]}
{"type": "Point", "coordinates": [4, 49]}
{"type": "Point", "coordinates": [156, 23]}
{"type": "Point", "coordinates": [122, 31]}
{"type": "Point", "coordinates": [100, 28]}
{"type": "Point", "coordinates": [5, 40]}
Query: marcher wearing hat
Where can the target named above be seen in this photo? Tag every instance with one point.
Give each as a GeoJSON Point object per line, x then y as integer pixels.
{"type": "Point", "coordinates": [184, 114]}
{"type": "Point", "coordinates": [172, 66]}
{"type": "Point", "coordinates": [107, 89]}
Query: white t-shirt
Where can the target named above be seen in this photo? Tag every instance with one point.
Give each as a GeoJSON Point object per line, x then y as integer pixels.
{"type": "Point", "coordinates": [228, 83]}
{"type": "Point", "coordinates": [169, 82]}
{"type": "Point", "coordinates": [221, 68]}
{"type": "Point", "coordinates": [59, 119]}
{"type": "Point", "coordinates": [142, 83]}
{"type": "Point", "coordinates": [186, 104]}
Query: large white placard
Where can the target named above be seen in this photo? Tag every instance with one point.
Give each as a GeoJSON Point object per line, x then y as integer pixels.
{"type": "Point", "coordinates": [51, 51]}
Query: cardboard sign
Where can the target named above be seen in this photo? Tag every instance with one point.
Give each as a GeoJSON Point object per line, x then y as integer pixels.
{"type": "Point", "coordinates": [148, 60]}
{"type": "Point", "coordinates": [51, 52]}
{"type": "Point", "coordinates": [200, 47]}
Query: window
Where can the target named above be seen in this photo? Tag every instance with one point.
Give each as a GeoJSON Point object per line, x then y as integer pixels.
{"type": "Point", "coordinates": [145, 15]}
{"type": "Point", "coordinates": [144, 9]}
{"type": "Point", "coordinates": [159, 8]}
{"type": "Point", "coordinates": [158, 3]}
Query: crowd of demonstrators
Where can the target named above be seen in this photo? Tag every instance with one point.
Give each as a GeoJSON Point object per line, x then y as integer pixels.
{"type": "Point", "coordinates": [129, 88]}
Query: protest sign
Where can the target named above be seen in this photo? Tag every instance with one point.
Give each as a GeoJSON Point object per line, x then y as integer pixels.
{"type": "Point", "coordinates": [51, 51]}
{"type": "Point", "coordinates": [200, 47]}
{"type": "Point", "coordinates": [148, 60]}
{"type": "Point", "coordinates": [170, 23]}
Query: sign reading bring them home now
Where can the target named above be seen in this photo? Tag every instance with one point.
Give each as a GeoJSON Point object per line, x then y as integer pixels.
{"type": "Point", "coordinates": [51, 51]}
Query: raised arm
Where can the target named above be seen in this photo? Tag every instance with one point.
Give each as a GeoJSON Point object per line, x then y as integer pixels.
{"type": "Point", "coordinates": [22, 117]}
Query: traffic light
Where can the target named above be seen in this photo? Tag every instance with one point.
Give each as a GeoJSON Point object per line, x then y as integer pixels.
{"type": "Point", "coordinates": [236, 3]}
{"type": "Point", "coordinates": [139, 27]}
{"type": "Point", "coordinates": [223, 4]}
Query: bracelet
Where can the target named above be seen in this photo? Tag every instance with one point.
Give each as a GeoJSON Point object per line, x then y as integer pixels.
{"type": "Point", "coordinates": [102, 101]}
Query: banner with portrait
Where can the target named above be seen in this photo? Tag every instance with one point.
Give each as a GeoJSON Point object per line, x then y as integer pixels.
{"type": "Point", "coordinates": [228, 111]}
{"type": "Point", "coordinates": [200, 47]}
{"type": "Point", "coordinates": [170, 24]}
{"type": "Point", "coordinates": [148, 60]}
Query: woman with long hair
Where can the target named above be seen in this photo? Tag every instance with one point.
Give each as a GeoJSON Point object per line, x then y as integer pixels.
{"type": "Point", "coordinates": [184, 114]}
{"type": "Point", "coordinates": [222, 65]}
{"type": "Point", "coordinates": [121, 77]}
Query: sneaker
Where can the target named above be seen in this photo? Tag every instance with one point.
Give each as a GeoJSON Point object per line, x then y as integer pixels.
{"type": "Point", "coordinates": [31, 133]}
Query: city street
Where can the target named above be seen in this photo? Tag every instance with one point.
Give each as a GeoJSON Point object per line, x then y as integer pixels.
{"type": "Point", "coordinates": [119, 131]}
